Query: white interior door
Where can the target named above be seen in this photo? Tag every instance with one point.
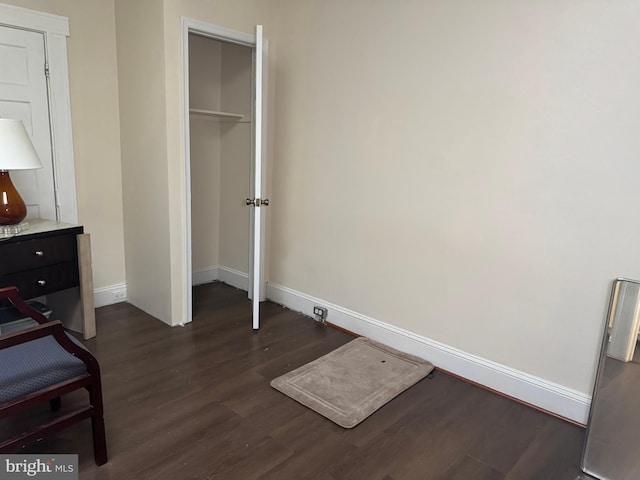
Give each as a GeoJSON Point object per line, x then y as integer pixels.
{"type": "Point", "coordinates": [259, 179]}
{"type": "Point", "coordinates": [23, 96]}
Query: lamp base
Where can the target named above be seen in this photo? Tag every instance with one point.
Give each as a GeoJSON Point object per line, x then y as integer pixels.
{"type": "Point", "coordinates": [12, 207]}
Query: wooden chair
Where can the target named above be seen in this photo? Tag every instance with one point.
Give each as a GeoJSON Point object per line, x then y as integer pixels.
{"type": "Point", "coordinates": [40, 364]}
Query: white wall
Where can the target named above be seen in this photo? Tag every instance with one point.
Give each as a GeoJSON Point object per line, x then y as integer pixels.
{"type": "Point", "coordinates": [143, 124]}
{"type": "Point", "coordinates": [204, 93]}
{"type": "Point", "coordinates": [236, 158]}
{"type": "Point", "coordinates": [468, 169]}
{"type": "Point", "coordinates": [236, 188]}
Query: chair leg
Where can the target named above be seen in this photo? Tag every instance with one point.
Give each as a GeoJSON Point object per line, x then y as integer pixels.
{"type": "Point", "coordinates": [97, 424]}
{"type": "Point", "coordinates": [55, 404]}
{"type": "Point", "coordinates": [99, 440]}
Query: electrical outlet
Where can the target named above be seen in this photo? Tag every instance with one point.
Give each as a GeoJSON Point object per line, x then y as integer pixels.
{"type": "Point", "coordinates": [118, 295]}
{"type": "Point", "coordinates": [320, 312]}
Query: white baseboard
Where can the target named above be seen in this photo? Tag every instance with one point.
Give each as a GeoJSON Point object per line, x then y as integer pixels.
{"type": "Point", "coordinates": [557, 399]}
{"type": "Point", "coordinates": [227, 275]}
{"type": "Point", "coordinates": [232, 277]}
{"type": "Point", "coordinates": [206, 275]}
{"type": "Point", "coordinates": [109, 295]}
{"type": "Point", "coordinates": [118, 293]}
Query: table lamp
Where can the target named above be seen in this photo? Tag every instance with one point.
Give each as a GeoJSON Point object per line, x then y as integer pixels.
{"type": "Point", "coordinates": [16, 153]}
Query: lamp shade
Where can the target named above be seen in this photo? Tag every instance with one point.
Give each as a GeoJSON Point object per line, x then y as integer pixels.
{"type": "Point", "coordinates": [16, 149]}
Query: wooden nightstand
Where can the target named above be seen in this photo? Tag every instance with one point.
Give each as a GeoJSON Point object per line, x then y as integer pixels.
{"type": "Point", "coordinates": [53, 259]}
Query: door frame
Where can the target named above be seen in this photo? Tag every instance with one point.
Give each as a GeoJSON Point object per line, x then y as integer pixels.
{"type": "Point", "coordinates": [217, 32]}
{"type": "Point", "coordinates": [55, 30]}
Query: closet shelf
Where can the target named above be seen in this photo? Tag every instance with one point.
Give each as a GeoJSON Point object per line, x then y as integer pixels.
{"type": "Point", "coordinates": [213, 113]}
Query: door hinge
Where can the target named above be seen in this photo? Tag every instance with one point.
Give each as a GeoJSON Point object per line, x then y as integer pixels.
{"type": "Point", "coordinates": [46, 70]}
{"type": "Point", "coordinates": [258, 202]}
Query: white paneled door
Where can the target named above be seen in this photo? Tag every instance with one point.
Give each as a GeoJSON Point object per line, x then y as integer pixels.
{"type": "Point", "coordinates": [23, 95]}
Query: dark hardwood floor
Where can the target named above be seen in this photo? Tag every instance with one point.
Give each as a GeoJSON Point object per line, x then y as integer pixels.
{"type": "Point", "coordinates": [194, 402]}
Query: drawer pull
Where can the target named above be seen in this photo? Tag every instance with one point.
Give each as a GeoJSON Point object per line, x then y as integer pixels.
{"type": "Point", "coordinates": [39, 253]}
{"type": "Point", "coordinates": [42, 283]}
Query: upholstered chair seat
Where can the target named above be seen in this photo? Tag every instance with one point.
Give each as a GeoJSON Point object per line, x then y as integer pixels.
{"type": "Point", "coordinates": [33, 366]}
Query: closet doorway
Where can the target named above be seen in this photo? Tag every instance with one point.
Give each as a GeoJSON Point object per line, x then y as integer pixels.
{"type": "Point", "coordinates": [224, 78]}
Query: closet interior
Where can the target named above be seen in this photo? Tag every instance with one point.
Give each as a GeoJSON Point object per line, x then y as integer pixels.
{"type": "Point", "coordinates": [220, 85]}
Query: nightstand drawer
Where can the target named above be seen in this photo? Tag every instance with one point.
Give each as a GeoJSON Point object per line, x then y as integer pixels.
{"type": "Point", "coordinates": [42, 281]}
{"type": "Point", "coordinates": [39, 252]}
